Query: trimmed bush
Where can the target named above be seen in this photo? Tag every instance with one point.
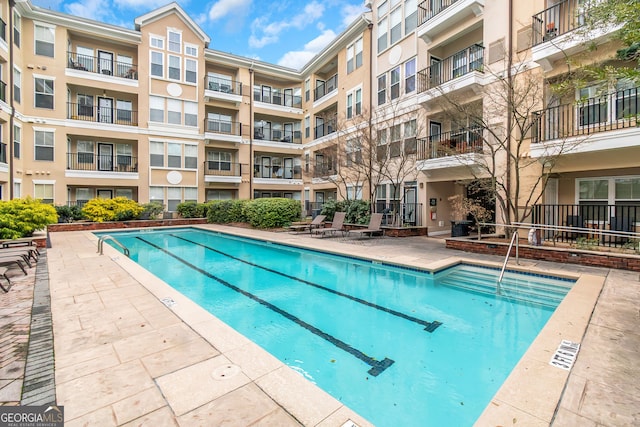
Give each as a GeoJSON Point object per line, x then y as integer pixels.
{"type": "Point", "coordinates": [117, 209]}
{"type": "Point", "coordinates": [357, 211]}
{"type": "Point", "coordinates": [192, 209]}
{"type": "Point", "coordinates": [21, 217]}
{"type": "Point", "coordinates": [69, 213]}
{"type": "Point", "coordinates": [272, 213]}
{"type": "Point", "coordinates": [226, 211]}
{"type": "Point", "coordinates": [151, 210]}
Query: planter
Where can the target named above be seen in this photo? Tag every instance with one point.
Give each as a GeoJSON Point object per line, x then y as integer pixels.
{"type": "Point", "coordinates": [460, 228]}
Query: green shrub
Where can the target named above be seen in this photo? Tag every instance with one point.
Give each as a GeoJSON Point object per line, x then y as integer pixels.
{"type": "Point", "coordinates": [21, 217]}
{"type": "Point", "coordinates": [226, 211]}
{"type": "Point", "coordinates": [151, 210]}
{"type": "Point", "coordinates": [117, 209]}
{"type": "Point", "coordinates": [69, 213]}
{"type": "Point", "coordinates": [272, 213]}
{"type": "Point", "coordinates": [357, 211]}
{"type": "Point", "coordinates": [192, 209]}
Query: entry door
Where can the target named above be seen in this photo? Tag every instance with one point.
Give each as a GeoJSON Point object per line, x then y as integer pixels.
{"type": "Point", "coordinates": [435, 130]}
{"type": "Point", "coordinates": [105, 194]}
{"type": "Point", "coordinates": [105, 62]}
{"type": "Point", "coordinates": [410, 200]}
{"type": "Point", "coordinates": [266, 167]}
{"type": "Point", "coordinates": [105, 157]}
{"type": "Point", "coordinates": [105, 110]}
{"type": "Point", "coordinates": [435, 72]}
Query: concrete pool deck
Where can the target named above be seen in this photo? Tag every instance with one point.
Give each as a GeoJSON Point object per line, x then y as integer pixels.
{"type": "Point", "coordinates": [123, 357]}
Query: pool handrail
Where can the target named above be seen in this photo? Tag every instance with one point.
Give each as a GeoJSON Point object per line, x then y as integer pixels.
{"type": "Point", "coordinates": [506, 259]}
{"type": "Point", "coordinates": [113, 239]}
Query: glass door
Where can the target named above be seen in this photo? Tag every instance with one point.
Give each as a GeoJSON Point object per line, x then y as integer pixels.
{"type": "Point", "coordinates": [105, 157]}
{"type": "Point", "coordinates": [105, 110]}
{"type": "Point", "coordinates": [105, 62]}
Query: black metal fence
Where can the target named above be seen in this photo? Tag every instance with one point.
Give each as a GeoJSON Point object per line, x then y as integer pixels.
{"type": "Point", "coordinates": [454, 66]}
{"type": "Point", "coordinates": [589, 219]}
{"type": "Point", "coordinates": [557, 20]}
{"type": "Point", "coordinates": [102, 65]}
{"type": "Point", "coordinates": [223, 126]}
{"type": "Point", "coordinates": [103, 163]}
{"type": "Point", "coordinates": [218, 84]}
{"type": "Point", "coordinates": [399, 214]}
{"type": "Point", "coordinates": [430, 8]}
{"type": "Point", "coordinates": [326, 87]}
{"type": "Point", "coordinates": [220, 168]}
{"type": "Point", "coordinates": [91, 113]}
{"type": "Point", "coordinates": [450, 144]}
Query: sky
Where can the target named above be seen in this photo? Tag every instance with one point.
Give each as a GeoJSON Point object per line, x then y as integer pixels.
{"type": "Point", "coordinates": [283, 32]}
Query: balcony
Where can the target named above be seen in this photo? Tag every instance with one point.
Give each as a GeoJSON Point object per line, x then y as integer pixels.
{"type": "Point", "coordinates": [222, 130]}
{"type": "Point", "coordinates": [325, 88]}
{"type": "Point", "coordinates": [268, 133]}
{"type": "Point", "coordinates": [277, 98]}
{"type": "Point", "coordinates": [450, 149]}
{"type": "Point", "coordinates": [102, 163]}
{"type": "Point", "coordinates": [437, 16]}
{"type": "Point", "coordinates": [3, 91]}
{"type": "Point", "coordinates": [217, 88]}
{"type": "Point", "coordinates": [221, 171]}
{"type": "Point", "coordinates": [102, 66]}
{"type": "Point", "coordinates": [289, 173]}
{"type": "Point", "coordinates": [587, 125]}
{"type": "Point", "coordinates": [324, 169]}
{"type": "Point", "coordinates": [558, 23]}
{"type": "Point", "coordinates": [89, 113]}
{"type": "Point", "coordinates": [325, 129]}
{"type": "Point", "coordinates": [462, 70]}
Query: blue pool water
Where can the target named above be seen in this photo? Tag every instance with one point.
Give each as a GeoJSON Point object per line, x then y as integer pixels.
{"type": "Point", "coordinates": [398, 345]}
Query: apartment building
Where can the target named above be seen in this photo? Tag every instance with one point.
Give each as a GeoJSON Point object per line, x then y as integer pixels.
{"type": "Point", "coordinates": [88, 110]}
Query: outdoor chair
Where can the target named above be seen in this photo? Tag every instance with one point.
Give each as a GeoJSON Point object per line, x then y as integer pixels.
{"type": "Point", "coordinates": [317, 222]}
{"type": "Point", "coordinates": [374, 226]}
{"type": "Point", "coordinates": [336, 225]}
{"type": "Point", "coordinates": [3, 273]}
{"type": "Point", "coordinates": [12, 260]}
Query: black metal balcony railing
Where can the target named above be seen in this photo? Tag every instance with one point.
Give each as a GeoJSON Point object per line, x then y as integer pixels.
{"type": "Point", "coordinates": [616, 110]}
{"type": "Point", "coordinates": [221, 85]}
{"type": "Point", "coordinates": [456, 65]}
{"type": "Point", "coordinates": [324, 169]}
{"type": "Point", "coordinates": [325, 129]}
{"type": "Point", "coordinates": [223, 126]}
{"type": "Point", "coordinates": [3, 91]}
{"type": "Point", "coordinates": [278, 135]}
{"type": "Point", "coordinates": [106, 66]}
{"type": "Point", "coordinates": [326, 87]}
{"type": "Point", "coordinates": [594, 216]}
{"type": "Point", "coordinates": [277, 172]}
{"type": "Point", "coordinates": [3, 153]}
{"type": "Point", "coordinates": [221, 168]}
{"type": "Point", "coordinates": [399, 214]}
{"type": "Point", "coordinates": [558, 19]}
{"type": "Point", "coordinates": [90, 113]}
{"type": "Point", "coordinates": [430, 8]}
{"type": "Point", "coordinates": [279, 98]}
{"type": "Point", "coordinates": [100, 162]}
{"type": "Point", "coordinates": [3, 30]}
{"type": "Point", "coordinates": [450, 144]}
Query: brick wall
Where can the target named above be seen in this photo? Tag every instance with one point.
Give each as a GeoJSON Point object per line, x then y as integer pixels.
{"type": "Point", "coordinates": [546, 253]}
{"type": "Point", "coordinates": [91, 226]}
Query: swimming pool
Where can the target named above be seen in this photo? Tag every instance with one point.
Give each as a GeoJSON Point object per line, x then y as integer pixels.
{"type": "Point", "coordinates": [398, 345]}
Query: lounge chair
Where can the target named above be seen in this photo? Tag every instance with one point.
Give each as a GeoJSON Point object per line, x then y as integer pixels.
{"type": "Point", "coordinates": [11, 260]}
{"type": "Point", "coordinates": [374, 226]}
{"type": "Point", "coordinates": [3, 273]}
{"type": "Point", "coordinates": [25, 251]}
{"type": "Point", "coordinates": [336, 225]}
{"type": "Point", "coordinates": [316, 223]}
{"type": "Point", "coordinates": [22, 241]}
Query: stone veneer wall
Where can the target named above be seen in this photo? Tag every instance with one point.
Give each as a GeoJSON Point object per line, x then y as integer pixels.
{"type": "Point", "coordinates": [546, 253]}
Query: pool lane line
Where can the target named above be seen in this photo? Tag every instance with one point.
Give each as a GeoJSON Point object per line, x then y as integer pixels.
{"type": "Point", "coordinates": [429, 326]}
{"type": "Point", "coordinates": [377, 366]}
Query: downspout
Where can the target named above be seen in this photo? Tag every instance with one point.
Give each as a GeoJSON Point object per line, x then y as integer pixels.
{"type": "Point", "coordinates": [509, 109]}
{"type": "Point", "coordinates": [11, 102]}
{"type": "Point", "coordinates": [251, 130]}
{"type": "Point", "coordinates": [371, 92]}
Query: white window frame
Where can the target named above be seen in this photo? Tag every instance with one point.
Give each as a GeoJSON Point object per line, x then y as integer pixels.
{"type": "Point", "coordinates": [410, 75]}
{"type": "Point", "coordinates": [156, 42]}
{"type": "Point", "coordinates": [170, 43]}
{"type": "Point", "coordinates": [187, 70]}
{"type": "Point", "coordinates": [190, 113]}
{"type": "Point", "coordinates": [17, 84]}
{"type": "Point", "coordinates": [45, 144]}
{"type": "Point", "coordinates": [44, 185]}
{"type": "Point", "coordinates": [52, 94]}
{"type": "Point", "coordinates": [36, 26]}
{"type": "Point", "coordinates": [160, 65]}
{"type": "Point", "coordinates": [154, 104]}
{"type": "Point", "coordinates": [191, 50]}
{"type": "Point", "coordinates": [172, 60]}
{"type": "Point", "coordinates": [156, 148]}
{"type": "Point", "coordinates": [174, 111]}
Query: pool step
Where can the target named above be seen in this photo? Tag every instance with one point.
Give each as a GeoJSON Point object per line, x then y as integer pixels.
{"type": "Point", "coordinates": [538, 290]}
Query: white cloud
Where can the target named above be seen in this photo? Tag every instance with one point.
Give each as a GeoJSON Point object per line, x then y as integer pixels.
{"type": "Point", "coordinates": [90, 9]}
{"type": "Point", "coordinates": [264, 34]}
{"type": "Point", "coordinates": [297, 58]}
{"type": "Point", "coordinates": [146, 5]}
{"type": "Point", "coordinates": [350, 12]}
{"type": "Point", "coordinates": [223, 8]}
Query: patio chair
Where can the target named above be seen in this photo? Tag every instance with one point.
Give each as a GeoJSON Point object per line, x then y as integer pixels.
{"type": "Point", "coordinates": [12, 260]}
{"type": "Point", "coordinates": [374, 226]}
{"type": "Point", "coordinates": [317, 222]}
{"type": "Point", "coordinates": [26, 254]}
{"type": "Point", "coordinates": [3, 273]}
{"type": "Point", "coordinates": [336, 225]}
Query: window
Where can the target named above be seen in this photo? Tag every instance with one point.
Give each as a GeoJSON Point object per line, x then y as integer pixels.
{"type": "Point", "coordinates": [219, 160]}
{"type": "Point", "coordinates": [410, 76]}
{"type": "Point", "coordinates": [157, 64]}
{"type": "Point", "coordinates": [459, 64]}
{"type": "Point", "coordinates": [156, 194]}
{"type": "Point", "coordinates": [410, 131]}
{"type": "Point", "coordinates": [396, 25]}
{"type": "Point", "coordinates": [307, 126]}
{"type": "Point", "coordinates": [175, 42]}
{"type": "Point", "coordinates": [353, 150]}
{"type": "Point", "coordinates": [85, 152]}
{"type": "Point", "coordinates": [354, 55]}
{"type": "Point", "coordinates": [43, 192]}
{"type": "Point", "coordinates": [191, 50]}
{"type": "Point", "coordinates": [354, 192]}
{"type": "Point", "coordinates": [383, 26]}
{"type": "Point", "coordinates": [191, 70]}
{"type": "Point", "coordinates": [381, 149]}
{"type": "Point", "coordinates": [627, 103]}
{"type": "Point", "coordinates": [174, 155]}
{"type": "Point", "coordinates": [411, 16]}
{"type": "Point", "coordinates": [44, 93]}
{"type": "Point", "coordinates": [17, 26]}
{"type": "Point", "coordinates": [43, 141]}
{"type": "Point", "coordinates": [592, 107]}
{"type": "Point", "coordinates": [174, 111]}
{"type": "Point", "coordinates": [349, 105]}
{"type": "Point", "coordinates": [17, 138]}
{"type": "Point", "coordinates": [124, 111]}
{"type": "Point", "coordinates": [358, 102]}
{"type": "Point", "coordinates": [85, 105]}
{"type": "Point", "coordinates": [190, 194]}
{"type": "Point", "coordinates": [395, 83]}
{"type": "Point", "coordinates": [190, 113]}
{"type": "Point", "coordinates": [595, 194]}
{"type": "Point", "coordinates": [44, 39]}
{"type": "Point", "coordinates": [174, 67]}
{"type": "Point", "coordinates": [17, 189]}
{"type": "Point", "coordinates": [156, 109]}
{"type": "Point", "coordinates": [157, 42]}
{"type": "Point", "coordinates": [124, 66]}
{"type": "Point", "coordinates": [156, 150]}
{"type": "Point", "coordinates": [191, 156]}
{"type": "Point", "coordinates": [307, 90]}
{"type": "Point", "coordinates": [174, 197]}
{"type": "Point", "coordinates": [17, 84]}
{"type": "Point", "coordinates": [219, 195]}
{"type": "Point", "coordinates": [124, 157]}
{"type": "Point", "coordinates": [84, 59]}
{"type": "Point", "coordinates": [396, 137]}
{"type": "Point", "coordinates": [382, 89]}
